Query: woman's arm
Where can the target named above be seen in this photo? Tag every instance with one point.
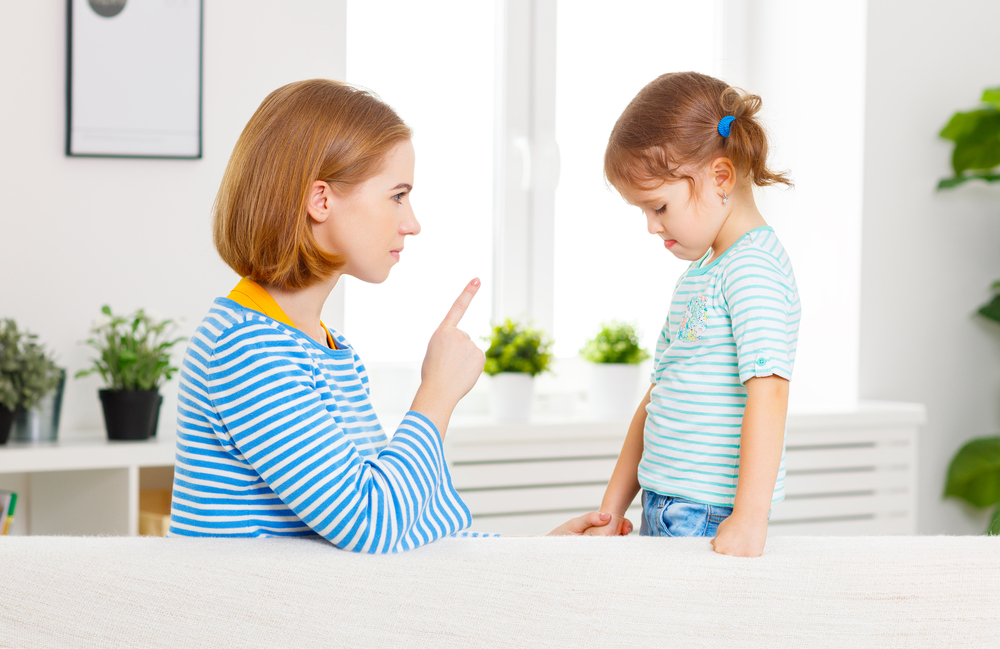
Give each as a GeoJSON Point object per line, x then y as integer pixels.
{"type": "Point", "coordinates": [624, 483]}
{"type": "Point", "coordinates": [762, 437]}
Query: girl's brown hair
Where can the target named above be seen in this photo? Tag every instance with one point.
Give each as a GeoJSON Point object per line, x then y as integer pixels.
{"type": "Point", "coordinates": [306, 131]}
{"type": "Point", "coordinates": [673, 123]}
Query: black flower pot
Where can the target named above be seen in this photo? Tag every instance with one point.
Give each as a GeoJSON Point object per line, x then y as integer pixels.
{"type": "Point", "coordinates": [6, 421]}
{"type": "Point", "coordinates": [130, 414]}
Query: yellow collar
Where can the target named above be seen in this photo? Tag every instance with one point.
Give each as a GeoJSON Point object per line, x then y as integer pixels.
{"type": "Point", "coordinates": [252, 295]}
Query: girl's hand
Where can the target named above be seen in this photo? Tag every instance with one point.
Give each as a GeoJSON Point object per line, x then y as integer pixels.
{"type": "Point", "coordinates": [452, 364]}
{"type": "Point", "coordinates": [741, 536]}
{"type": "Point", "coordinates": [590, 522]}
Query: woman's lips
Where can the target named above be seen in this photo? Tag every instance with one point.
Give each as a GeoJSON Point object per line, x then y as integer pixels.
{"type": "Point", "coordinates": [395, 253]}
{"type": "Point", "coordinates": [669, 243]}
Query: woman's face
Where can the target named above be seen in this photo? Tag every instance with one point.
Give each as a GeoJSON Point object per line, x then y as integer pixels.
{"type": "Point", "coordinates": [369, 224]}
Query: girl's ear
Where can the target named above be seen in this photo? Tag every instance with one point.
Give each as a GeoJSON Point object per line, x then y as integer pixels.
{"type": "Point", "coordinates": [319, 203]}
{"type": "Point", "coordinates": [723, 174]}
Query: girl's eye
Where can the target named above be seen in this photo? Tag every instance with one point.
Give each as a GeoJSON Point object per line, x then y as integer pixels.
{"type": "Point", "coordinates": [661, 210]}
{"type": "Point", "coordinates": [399, 197]}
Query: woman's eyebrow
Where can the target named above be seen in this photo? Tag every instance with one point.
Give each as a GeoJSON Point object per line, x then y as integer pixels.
{"type": "Point", "coordinates": [408, 188]}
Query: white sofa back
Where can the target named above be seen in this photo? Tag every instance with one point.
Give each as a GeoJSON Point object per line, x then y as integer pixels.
{"type": "Point", "coordinates": [503, 592]}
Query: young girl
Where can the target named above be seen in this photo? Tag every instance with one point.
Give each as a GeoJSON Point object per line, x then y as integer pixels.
{"type": "Point", "coordinates": [706, 445]}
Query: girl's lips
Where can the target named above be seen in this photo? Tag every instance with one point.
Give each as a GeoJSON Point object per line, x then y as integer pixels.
{"type": "Point", "coordinates": [395, 254]}
{"type": "Point", "coordinates": [669, 243]}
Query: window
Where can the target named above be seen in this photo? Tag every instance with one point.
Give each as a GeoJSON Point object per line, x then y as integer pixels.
{"type": "Point", "coordinates": [606, 264]}
{"type": "Point", "coordinates": [435, 68]}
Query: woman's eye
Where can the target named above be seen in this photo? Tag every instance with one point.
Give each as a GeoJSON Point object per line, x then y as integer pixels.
{"type": "Point", "coordinates": [399, 197]}
{"type": "Point", "coordinates": [661, 210]}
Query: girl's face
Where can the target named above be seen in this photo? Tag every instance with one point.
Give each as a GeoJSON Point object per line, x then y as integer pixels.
{"type": "Point", "coordinates": [369, 224]}
{"type": "Point", "coordinates": [688, 221]}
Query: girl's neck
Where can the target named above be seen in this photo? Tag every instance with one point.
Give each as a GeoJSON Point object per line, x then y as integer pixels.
{"type": "Point", "coordinates": [743, 217]}
{"type": "Point", "coordinates": [304, 306]}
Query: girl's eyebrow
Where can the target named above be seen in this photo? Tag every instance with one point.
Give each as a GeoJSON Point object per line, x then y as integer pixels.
{"type": "Point", "coordinates": [408, 188]}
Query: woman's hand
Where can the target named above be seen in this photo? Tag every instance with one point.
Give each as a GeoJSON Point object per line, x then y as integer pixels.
{"type": "Point", "coordinates": [452, 365]}
{"type": "Point", "coordinates": [591, 522]}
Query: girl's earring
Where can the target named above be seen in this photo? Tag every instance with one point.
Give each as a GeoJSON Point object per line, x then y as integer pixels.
{"type": "Point", "coordinates": [725, 198]}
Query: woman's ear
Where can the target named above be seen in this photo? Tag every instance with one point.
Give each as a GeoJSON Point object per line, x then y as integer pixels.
{"type": "Point", "coordinates": [723, 174]}
{"type": "Point", "coordinates": [319, 203]}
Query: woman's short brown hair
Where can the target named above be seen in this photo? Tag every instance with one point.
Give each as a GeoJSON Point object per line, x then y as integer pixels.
{"type": "Point", "coordinates": [673, 123]}
{"type": "Point", "coordinates": [306, 131]}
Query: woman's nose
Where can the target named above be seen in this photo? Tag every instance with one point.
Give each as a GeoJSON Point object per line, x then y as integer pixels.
{"type": "Point", "coordinates": [410, 225]}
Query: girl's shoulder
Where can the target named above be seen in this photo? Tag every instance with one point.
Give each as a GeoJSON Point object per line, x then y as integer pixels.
{"type": "Point", "coordinates": [760, 248]}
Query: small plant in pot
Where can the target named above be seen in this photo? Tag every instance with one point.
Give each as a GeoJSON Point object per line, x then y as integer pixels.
{"type": "Point", "coordinates": [614, 355]}
{"type": "Point", "coordinates": [27, 375]}
{"type": "Point", "coordinates": [516, 355]}
{"type": "Point", "coordinates": [134, 361]}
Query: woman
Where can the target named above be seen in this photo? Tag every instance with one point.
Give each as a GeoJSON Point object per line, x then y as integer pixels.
{"type": "Point", "coordinates": [276, 432]}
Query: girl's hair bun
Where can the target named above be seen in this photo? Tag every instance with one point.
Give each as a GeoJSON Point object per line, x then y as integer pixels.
{"type": "Point", "coordinates": [673, 123]}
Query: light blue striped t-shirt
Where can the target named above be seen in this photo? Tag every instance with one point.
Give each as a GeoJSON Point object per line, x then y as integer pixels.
{"type": "Point", "coordinates": [276, 436]}
{"type": "Point", "coordinates": [731, 320]}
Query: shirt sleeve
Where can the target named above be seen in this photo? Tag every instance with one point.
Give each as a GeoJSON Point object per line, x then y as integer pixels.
{"type": "Point", "coordinates": [662, 343]}
{"type": "Point", "coordinates": [761, 298]}
{"type": "Point", "coordinates": [270, 409]}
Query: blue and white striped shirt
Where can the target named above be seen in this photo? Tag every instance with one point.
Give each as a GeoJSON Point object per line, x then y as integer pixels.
{"type": "Point", "coordinates": [276, 436]}
{"type": "Point", "coordinates": [731, 320]}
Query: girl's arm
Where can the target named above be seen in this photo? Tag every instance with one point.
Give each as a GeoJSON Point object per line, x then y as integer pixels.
{"type": "Point", "coordinates": [762, 437]}
{"type": "Point", "coordinates": [624, 483]}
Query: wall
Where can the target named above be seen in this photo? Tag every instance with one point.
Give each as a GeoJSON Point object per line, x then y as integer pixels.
{"type": "Point", "coordinates": [928, 258]}
{"type": "Point", "coordinates": [811, 82]}
{"type": "Point", "coordinates": [76, 233]}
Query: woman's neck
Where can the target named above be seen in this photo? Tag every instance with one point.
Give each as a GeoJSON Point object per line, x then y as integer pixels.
{"type": "Point", "coordinates": [304, 306]}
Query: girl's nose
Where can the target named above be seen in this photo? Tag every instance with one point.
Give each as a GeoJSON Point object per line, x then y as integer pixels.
{"type": "Point", "coordinates": [652, 224]}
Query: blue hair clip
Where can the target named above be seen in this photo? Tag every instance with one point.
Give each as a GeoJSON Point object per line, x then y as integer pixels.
{"type": "Point", "coordinates": [724, 125]}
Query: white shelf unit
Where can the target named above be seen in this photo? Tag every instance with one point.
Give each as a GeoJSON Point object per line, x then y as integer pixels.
{"type": "Point", "coordinates": [83, 484]}
{"type": "Point", "coordinates": [848, 473]}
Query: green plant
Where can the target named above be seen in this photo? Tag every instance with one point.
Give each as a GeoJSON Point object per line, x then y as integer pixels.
{"type": "Point", "coordinates": [974, 472]}
{"type": "Point", "coordinates": [616, 342]}
{"type": "Point", "coordinates": [27, 372]}
{"type": "Point", "coordinates": [976, 135]}
{"type": "Point", "coordinates": [517, 348]}
{"type": "Point", "coordinates": [134, 351]}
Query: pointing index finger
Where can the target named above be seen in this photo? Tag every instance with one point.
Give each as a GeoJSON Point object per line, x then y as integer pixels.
{"type": "Point", "coordinates": [461, 305]}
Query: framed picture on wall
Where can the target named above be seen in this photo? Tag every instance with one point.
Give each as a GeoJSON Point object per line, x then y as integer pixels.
{"type": "Point", "coordinates": [133, 78]}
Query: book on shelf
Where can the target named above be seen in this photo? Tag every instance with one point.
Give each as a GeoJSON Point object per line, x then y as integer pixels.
{"type": "Point", "coordinates": [8, 501]}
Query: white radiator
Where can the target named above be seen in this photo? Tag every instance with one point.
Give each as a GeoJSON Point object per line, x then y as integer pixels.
{"type": "Point", "coordinates": [848, 473]}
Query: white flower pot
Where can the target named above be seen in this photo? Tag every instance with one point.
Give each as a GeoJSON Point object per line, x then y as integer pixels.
{"type": "Point", "coordinates": [511, 394]}
{"type": "Point", "coordinates": [613, 390]}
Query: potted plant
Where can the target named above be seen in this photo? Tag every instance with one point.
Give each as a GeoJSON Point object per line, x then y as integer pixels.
{"type": "Point", "coordinates": [614, 355]}
{"type": "Point", "coordinates": [974, 473]}
{"type": "Point", "coordinates": [517, 354]}
{"type": "Point", "coordinates": [134, 361]}
{"type": "Point", "coordinates": [27, 375]}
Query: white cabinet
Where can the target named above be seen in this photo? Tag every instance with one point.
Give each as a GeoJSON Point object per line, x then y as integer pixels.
{"type": "Point", "coordinates": [83, 484]}
{"type": "Point", "coordinates": [848, 473]}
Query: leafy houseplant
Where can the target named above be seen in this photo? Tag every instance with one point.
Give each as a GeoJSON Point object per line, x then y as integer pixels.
{"type": "Point", "coordinates": [517, 354]}
{"type": "Point", "coordinates": [614, 355]}
{"type": "Point", "coordinates": [974, 473]}
{"type": "Point", "coordinates": [27, 374]}
{"type": "Point", "coordinates": [616, 342]}
{"type": "Point", "coordinates": [134, 361]}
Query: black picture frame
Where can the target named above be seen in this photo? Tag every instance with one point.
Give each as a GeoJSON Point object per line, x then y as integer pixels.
{"type": "Point", "coordinates": [111, 110]}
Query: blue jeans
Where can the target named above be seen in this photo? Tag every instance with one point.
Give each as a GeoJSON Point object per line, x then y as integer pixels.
{"type": "Point", "coordinates": [674, 516]}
